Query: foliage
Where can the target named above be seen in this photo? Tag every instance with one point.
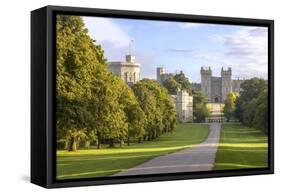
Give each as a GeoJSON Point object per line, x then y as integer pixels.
{"type": "Point", "coordinates": [157, 106]}
{"type": "Point", "coordinates": [171, 85]}
{"type": "Point", "coordinates": [78, 61]}
{"type": "Point", "coordinates": [183, 81]}
{"type": "Point", "coordinates": [229, 107]}
{"type": "Point", "coordinates": [95, 105]}
{"type": "Point", "coordinates": [252, 104]}
{"type": "Point", "coordinates": [177, 82]}
{"type": "Point", "coordinates": [200, 110]}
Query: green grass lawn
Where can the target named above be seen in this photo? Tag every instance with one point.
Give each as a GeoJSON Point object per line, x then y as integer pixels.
{"type": "Point", "coordinates": [108, 161]}
{"type": "Point", "coordinates": [241, 147]}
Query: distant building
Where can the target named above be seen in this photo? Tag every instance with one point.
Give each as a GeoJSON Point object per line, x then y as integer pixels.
{"type": "Point", "coordinates": [128, 70]}
{"type": "Point", "coordinates": [236, 85]}
{"type": "Point", "coordinates": [195, 86]}
{"type": "Point", "coordinates": [184, 106]}
{"type": "Point", "coordinates": [162, 75]}
{"type": "Point", "coordinates": [216, 89]}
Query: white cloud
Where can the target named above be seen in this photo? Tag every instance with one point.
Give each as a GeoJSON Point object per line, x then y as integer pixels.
{"type": "Point", "coordinates": [115, 42]}
{"type": "Point", "coordinates": [246, 51]}
{"type": "Point", "coordinates": [104, 30]}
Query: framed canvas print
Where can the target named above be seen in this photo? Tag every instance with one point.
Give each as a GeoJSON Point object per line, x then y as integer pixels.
{"type": "Point", "coordinates": [125, 96]}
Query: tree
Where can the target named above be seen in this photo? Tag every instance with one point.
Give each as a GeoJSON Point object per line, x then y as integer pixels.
{"type": "Point", "coordinates": [229, 107]}
{"type": "Point", "coordinates": [156, 105]}
{"type": "Point", "coordinates": [135, 117]}
{"type": "Point", "coordinates": [252, 104]}
{"type": "Point", "coordinates": [200, 110]}
{"type": "Point", "coordinates": [252, 88]}
{"type": "Point", "coordinates": [261, 116]}
{"type": "Point", "coordinates": [87, 94]}
{"type": "Point", "coordinates": [183, 81]}
{"type": "Point", "coordinates": [171, 85]}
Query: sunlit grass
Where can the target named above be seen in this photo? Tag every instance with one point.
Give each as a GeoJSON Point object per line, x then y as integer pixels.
{"type": "Point", "coordinates": [108, 161]}
{"type": "Point", "coordinates": [241, 147]}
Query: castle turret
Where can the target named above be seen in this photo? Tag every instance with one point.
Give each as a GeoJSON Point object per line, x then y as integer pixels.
{"type": "Point", "coordinates": [226, 85]}
{"type": "Point", "coordinates": [206, 74]}
{"type": "Point", "coordinates": [160, 72]}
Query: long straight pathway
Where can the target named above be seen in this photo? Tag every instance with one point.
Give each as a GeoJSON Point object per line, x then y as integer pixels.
{"type": "Point", "coordinates": [199, 158]}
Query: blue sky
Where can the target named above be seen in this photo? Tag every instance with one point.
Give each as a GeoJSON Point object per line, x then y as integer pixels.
{"type": "Point", "coordinates": [183, 46]}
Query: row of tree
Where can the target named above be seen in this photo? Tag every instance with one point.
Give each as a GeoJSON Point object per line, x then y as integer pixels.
{"type": "Point", "coordinates": [93, 105]}
{"type": "Point", "coordinates": [250, 106]}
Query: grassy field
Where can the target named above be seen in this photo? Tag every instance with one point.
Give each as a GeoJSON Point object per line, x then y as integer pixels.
{"type": "Point", "coordinates": [104, 162]}
{"type": "Point", "coordinates": [241, 147]}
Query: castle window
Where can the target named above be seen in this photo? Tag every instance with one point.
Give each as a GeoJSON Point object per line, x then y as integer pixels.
{"type": "Point", "coordinates": [126, 76]}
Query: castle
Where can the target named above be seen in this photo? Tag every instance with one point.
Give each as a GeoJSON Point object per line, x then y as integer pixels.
{"type": "Point", "coordinates": [162, 75]}
{"type": "Point", "coordinates": [128, 70]}
{"type": "Point", "coordinates": [214, 88]}
{"type": "Point", "coordinates": [183, 102]}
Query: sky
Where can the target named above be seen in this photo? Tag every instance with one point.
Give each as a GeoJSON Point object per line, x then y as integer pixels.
{"type": "Point", "coordinates": [183, 46]}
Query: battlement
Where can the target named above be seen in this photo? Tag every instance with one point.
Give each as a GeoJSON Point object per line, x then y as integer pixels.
{"type": "Point", "coordinates": [226, 72]}
{"type": "Point", "coordinates": [206, 70]}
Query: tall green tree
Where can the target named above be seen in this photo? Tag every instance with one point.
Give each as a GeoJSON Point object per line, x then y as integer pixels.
{"type": "Point", "coordinates": [78, 60]}
{"type": "Point", "coordinates": [135, 116]}
{"type": "Point", "coordinates": [252, 104]}
{"type": "Point", "coordinates": [229, 105]}
{"type": "Point", "coordinates": [200, 110]}
{"type": "Point", "coordinates": [88, 96]}
{"type": "Point", "coordinates": [183, 81]}
{"type": "Point", "coordinates": [156, 104]}
{"type": "Point", "coordinates": [261, 116]}
{"type": "Point", "coordinates": [171, 85]}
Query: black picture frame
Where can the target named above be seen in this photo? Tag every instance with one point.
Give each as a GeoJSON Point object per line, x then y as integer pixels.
{"type": "Point", "coordinates": [43, 84]}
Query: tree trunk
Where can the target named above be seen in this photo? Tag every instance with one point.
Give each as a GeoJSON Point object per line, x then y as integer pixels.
{"type": "Point", "coordinates": [66, 144]}
{"type": "Point", "coordinates": [72, 145]}
{"type": "Point", "coordinates": [87, 144]}
{"type": "Point", "coordinates": [99, 142]}
{"type": "Point", "coordinates": [121, 142]}
{"type": "Point", "coordinates": [128, 140]}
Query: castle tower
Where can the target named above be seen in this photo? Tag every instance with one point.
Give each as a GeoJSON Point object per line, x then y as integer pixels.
{"type": "Point", "coordinates": [206, 74]}
{"type": "Point", "coordinates": [130, 58]}
{"type": "Point", "coordinates": [184, 106]}
{"type": "Point", "coordinates": [160, 72]}
{"type": "Point", "coordinates": [128, 70]}
{"type": "Point", "coordinates": [226, 85]}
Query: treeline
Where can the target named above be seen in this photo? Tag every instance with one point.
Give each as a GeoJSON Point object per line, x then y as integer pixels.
{"type": "Point", "coordinates": [95, 106]}
{"type": "Point", "coordinates": [250, 106]}
{"type": "Point", "coordinates": [181, 82]}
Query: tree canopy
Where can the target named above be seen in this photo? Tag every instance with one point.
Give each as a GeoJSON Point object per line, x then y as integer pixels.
{"type": "Point", "coordinates": [93, 105]}
{"type": "Point", "coordinates": [252, 104]}
{"type": "Point", "coordinates": [200, 110]}
{"type": "Point", "coordinates": [229, 107]}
